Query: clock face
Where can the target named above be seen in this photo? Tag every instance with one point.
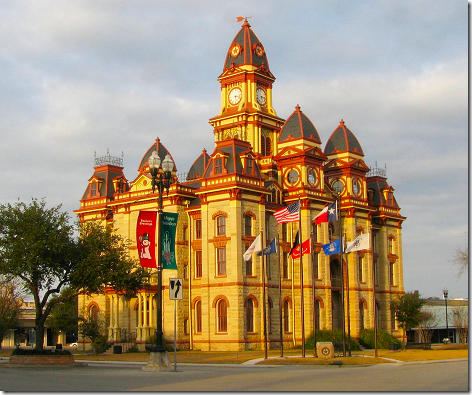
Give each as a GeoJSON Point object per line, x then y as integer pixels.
{"type": "Point", "coordinates": [235, 96]}
{"type": "Point", "coordinates": [261, 96]}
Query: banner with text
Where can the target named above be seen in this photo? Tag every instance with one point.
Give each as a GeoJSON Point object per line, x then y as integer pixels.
{"type": "Point", "coordinates": [146, 238]}
{"type": "Point", "coordinates": [169, 226]}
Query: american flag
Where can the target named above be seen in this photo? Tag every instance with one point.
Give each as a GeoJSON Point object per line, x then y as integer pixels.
{"type": "Point", "coordinates": [288, 214]}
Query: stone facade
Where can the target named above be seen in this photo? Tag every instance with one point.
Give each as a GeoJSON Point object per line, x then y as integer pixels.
{"type": "Point", "coordinates": [260, 164]}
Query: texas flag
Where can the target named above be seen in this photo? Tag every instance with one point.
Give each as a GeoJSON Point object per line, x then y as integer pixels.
{"type": "Point", "coordinates": [328, 214]}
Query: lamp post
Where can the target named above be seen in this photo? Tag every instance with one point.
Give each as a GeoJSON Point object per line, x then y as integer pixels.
{"type": "Point", "coordinates": [445, 293]}
{"type": "Point", "coordinates": [162, 179]}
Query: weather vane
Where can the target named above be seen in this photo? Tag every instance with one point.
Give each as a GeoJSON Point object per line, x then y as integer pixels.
{"type": "Point", "coordinates": [241, 18]}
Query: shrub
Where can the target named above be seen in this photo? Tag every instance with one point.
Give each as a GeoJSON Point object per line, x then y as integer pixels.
{"type": "Point", "coordinates": [23, 351]}
{"type": "Point", "coordinates": [384, 339]}
{"type": "Point", "coordinates": [335, 336]}
{"type": "Point", "coordinates": [100, 344]}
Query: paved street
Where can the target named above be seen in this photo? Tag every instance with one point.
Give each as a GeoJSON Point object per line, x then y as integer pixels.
{"type": "Point", "coordinates": [437, 376]}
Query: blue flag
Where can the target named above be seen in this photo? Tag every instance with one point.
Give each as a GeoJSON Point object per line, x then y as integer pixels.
{"type": "Point", "coordinates": [270, 249]}
{"type": "Point", "coordinates": [332, 248]}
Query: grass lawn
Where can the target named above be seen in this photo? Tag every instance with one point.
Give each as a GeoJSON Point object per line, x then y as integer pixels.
{"type": "Point", "coordinates": [437, 353]}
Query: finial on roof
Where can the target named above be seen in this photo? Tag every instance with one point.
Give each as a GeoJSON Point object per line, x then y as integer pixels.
{"type": "Point", "coordinates": [243, 18]}
{"type": "Point", "coordinates": [157, 143]}
{"type": "Point", "coordinates": [342, 122]}
{"type": "Point", "coordinates": [297, 108]}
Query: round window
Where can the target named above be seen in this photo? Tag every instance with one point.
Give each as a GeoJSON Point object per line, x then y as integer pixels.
{"type": "Point", "coordinates": [292, 177]}
{"type": "Point", "coordinates": [356, 187]}
{"type": "Point", "coordinates": [312, 177]}
{"type": "Point", "coordinates": [338, 186]}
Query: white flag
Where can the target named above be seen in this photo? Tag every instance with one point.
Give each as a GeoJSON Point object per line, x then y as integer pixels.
{"type": "Point", "coordinates": [362, 242]}
{"type": "Point", "coordinates": [254, 247]}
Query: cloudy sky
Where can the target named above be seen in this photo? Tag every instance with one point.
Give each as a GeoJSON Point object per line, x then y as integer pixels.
{"type": "Point", "coordinates": [86, 76]}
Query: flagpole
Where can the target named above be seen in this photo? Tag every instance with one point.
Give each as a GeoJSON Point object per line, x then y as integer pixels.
{"type": "Point", "coordinates": [280, 299]}
{"type": "Point", "coordinates": [302, 299]}
{"type": "Point", "coordinates": [341, 245]}
{"type": "Point", "coordinates": [348, 307]}
{"type": "Point", "coordinates": [374, 306]}
{"type": "Point", "coordinates": [263, 295]}
{"type": "Point", "coordinates": [294, 340]}
{"type": "Point", "coordinates": [314, 294]}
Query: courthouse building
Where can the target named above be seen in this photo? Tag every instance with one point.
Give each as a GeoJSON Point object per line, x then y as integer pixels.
{"type": "Point", "coordinates": [260, 163]}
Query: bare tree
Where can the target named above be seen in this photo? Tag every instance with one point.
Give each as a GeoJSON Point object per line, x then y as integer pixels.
{"type": "Point", "coordinates": [460, 319]}
{"type": "Point", "coordinates": [10, 305]}
{"type": "Point", "coordinates": [428, 321]}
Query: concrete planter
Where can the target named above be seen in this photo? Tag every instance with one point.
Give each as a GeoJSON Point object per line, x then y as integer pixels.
{"type": "Point", "coordinates": [42, 359]}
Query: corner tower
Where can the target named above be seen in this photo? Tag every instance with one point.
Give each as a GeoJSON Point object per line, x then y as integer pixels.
{"type": "Point", "coordinates": [246, 98]}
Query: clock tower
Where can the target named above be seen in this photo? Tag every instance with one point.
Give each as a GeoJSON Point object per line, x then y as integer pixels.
{"type": "Point", "coordinates": [246, 98]}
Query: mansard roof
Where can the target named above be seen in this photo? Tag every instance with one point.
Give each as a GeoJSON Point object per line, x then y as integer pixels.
{"type": "Point", "coordinates": [233, 150]}
{"type": "Point", "coordinates": [161, 151]}
{"type": "Point", "coordinates": [379, 185]}
{"type": "Point", "coordinates": [246, 49]}
{"type": "Point", "coordinates": [343, 140]}
{"type": "Point", "coordinates": [198, 168]}
{"type": "Point", "coordinates": [298, 126]}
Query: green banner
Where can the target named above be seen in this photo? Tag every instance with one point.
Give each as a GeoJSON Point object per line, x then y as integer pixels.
{"type": "Point", "coordinates": [169, 226]}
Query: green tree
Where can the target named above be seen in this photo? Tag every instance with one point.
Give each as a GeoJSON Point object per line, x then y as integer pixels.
{"type": "Point", "coordinates": [93, 327]}
{"type": "Point", "coordinates": [46, 253]}
{"type": "Point", "coordinates": [408, 311]}
{"type": "Point", "coordinates": [64, 316]}
{"type": "Point", "coordinates": [10, 305]}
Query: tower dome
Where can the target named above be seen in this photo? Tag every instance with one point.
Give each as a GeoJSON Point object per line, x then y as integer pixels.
{"type": "Point", "coordinates": [246, 49]}
{"type": "Point", "coordinates": [343, 140]}
{"type": "Point", "coordinates": [299, 126]}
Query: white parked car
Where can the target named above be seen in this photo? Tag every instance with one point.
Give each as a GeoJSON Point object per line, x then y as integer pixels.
{"type": "Point", "coordinates": [73, 345]}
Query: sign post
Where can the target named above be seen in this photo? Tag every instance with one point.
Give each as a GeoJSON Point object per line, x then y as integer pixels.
{"type": "Point", "coordinates": [175, 293]}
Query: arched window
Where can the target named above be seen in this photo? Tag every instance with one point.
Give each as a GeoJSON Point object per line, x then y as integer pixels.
{"type": "Point", "coordinates": [331, 232]}
{"type": "Point", "coordinates": [220, 225]}
{"type": "Point", "coordinates": [286, 316]}
{"type": "Point", "coordinates": [360, 271]}
{"type": "Point", "coordinates": [361, 315]}
{"type": "Point", "coordinates": [249, 316]}
{"type": "Point", "coordinates": [266, 148]}
{"type": "Point", "coordinates": [270, 306]}
{"type": "Point", "coordinates": [317, 314]}
{"type": "Point", "coordinates": [222, 311]}
{"type": "Point", "coordinates": [392, 318]}
{"type": "Point", "coordinates": [247, 225]}
{"type": "Point", "coordinates": [198, 316]}
{"type": "Point", "coordinates": [93, 312]}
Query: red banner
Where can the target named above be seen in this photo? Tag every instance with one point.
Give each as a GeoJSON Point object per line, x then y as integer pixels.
{"type": "Point", "coordinates": [306, 249]}
{"type": "Point", "coordinates": [146, 238]}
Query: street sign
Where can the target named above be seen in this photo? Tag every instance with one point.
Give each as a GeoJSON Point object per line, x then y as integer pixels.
{"type": "Point", "coordinates": [176, 291]}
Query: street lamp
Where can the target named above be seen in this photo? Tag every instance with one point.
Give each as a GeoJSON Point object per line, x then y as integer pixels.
{"type": "Point", "coordinates": [445, 293]}
{"type": "Point", "coordinates": [162, 179]}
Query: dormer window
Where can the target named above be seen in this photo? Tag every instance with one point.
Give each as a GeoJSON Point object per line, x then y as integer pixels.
{"type": "Point", "coordinates": [93, 189]}
{"type": "Point", "coordinates": [218, 165]}
{"type": "Point", "coordinates": [249, 165]}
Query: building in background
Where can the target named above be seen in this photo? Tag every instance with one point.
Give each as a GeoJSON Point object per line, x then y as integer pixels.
{"type": "Point", "coordinates": [260, 163]}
